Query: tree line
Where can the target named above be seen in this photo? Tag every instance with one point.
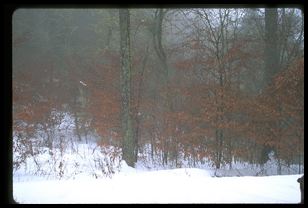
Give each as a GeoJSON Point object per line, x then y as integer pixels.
{"type": "Point", "coordinates": [223, 85]}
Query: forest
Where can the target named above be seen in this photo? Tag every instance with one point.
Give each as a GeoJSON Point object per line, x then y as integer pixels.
{"type": "Point", "coordinates": [172, 87]}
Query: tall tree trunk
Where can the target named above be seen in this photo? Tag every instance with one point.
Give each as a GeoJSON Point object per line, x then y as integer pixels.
{"type": "Point", "coordinates": [157, 42]}
{"type": "Point", "coordinates": [219, 148]}
{"type": "Point", "coordinates": [129, 146]}
{"type": "Point", "coordinates": [271, 47]}
{"type": "Point", "coordinates": [157, 38]}
{"type": "Point", "coordinates": [139, 97]}
{"type": "Point", "coordinates": [271, 59]}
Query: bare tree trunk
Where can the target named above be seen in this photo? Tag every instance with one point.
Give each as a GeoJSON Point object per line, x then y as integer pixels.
{"type": "Point", "coordinates": [129, 142]}
{"type": "Point", "coordinates": [157, 42]}
{"type": "Point", "coordinates": [137, 115]}
{"type": "Point", "coordinates": [271, 58]}
{"type": "Point", "coordinates": [271, 47]}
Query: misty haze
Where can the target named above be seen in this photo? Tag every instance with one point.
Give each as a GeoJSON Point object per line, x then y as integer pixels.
{"type": "Point", "coordinates": [158, 105]}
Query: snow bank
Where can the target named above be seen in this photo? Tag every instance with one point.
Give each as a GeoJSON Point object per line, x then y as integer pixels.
{"type": "Point", "coordinates": [163, 186]}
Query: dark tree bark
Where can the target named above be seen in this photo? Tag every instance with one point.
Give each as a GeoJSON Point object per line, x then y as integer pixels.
{"type": "Point", "coordinates": [271, 47]}
{"type": "Point", "coordinates": [129, 142]}
{"type": "Point", "coordinates": [271, 60]}
{"type": "Point", "coordinates": [157, 38]}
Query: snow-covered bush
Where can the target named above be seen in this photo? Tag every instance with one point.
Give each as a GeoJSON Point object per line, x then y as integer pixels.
{"type": "Point", "coordinates": [24, 145]}
{"type": "Point", "coordinates": [106, 161]}
{"type": "Point", "coordinates": [52, 150]}
{"type": "Point", "coordinates": [57, 163]}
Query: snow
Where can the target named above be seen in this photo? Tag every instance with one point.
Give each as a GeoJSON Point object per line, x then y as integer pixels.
{"type": "Point", "coordinates": [81, 159]}
{"type": "Point", "coordinates": [182, 185]}
{"type": "Point", "coordinates": [83, 177]}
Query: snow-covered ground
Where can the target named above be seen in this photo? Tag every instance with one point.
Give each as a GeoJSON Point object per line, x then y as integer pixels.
{"type": "Point", "coordinates": [74, 172]}
{"type": "Point", "coordinates": [185, 185]}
